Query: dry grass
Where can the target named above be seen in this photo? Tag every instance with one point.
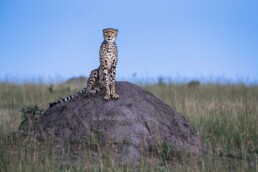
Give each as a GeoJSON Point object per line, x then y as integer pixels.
{"type": "Point", "coordinates": [224, 116]}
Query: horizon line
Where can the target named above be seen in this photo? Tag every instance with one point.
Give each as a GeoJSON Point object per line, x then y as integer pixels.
{"type": "Point", "coordinates": [179, 79]}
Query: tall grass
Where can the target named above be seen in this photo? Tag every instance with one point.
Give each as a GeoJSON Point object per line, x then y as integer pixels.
{"type": "Point", "coordinates": [224, 116]}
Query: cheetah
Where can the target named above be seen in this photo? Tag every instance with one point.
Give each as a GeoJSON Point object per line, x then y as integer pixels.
{"type": "Point", "coordinates": [105, 75]}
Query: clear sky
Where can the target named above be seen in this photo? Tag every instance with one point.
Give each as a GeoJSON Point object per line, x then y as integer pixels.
{"type": "Point", "coordinates": [171, 38]}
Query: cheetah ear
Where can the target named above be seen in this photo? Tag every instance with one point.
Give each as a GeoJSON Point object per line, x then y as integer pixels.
{"type": "Point", "coordinates": [116, 30]}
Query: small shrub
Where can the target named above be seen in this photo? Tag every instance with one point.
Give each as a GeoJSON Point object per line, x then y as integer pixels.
{"type": "Point", "coordinates": [30, 111]}
{"type": "Point", "coordinates": [194, 83]}
{"type": "Point", "coordinates": [27, 114]}
{"type": "Point", "coordinates": [50, 88]}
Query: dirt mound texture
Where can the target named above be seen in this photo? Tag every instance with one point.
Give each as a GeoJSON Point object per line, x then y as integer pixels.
{"type": "Point", "coordinates": [135, 122]}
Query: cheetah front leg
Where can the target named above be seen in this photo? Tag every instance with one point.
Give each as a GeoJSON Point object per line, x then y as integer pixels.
{"type": "Point", "coordinates": [113, 82]}
{"type": "Point", "coordinates": [107, 84]}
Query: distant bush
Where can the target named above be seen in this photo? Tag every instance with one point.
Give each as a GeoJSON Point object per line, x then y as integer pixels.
{"type": "Point", "coordinates": [193, 83]}
{"type": "Point", "coordinates": [50, 88]}
{"type": "Point", "coordinates": [161, 81]}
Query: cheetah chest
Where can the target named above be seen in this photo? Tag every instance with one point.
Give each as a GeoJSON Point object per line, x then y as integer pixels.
{"type": "Point", "coordinates": [110, 57]}
{"type": "Point", "coordinates": [109, 62]}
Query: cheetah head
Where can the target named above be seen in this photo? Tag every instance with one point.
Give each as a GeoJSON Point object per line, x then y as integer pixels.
{"type": "Point", "coordinates": [110, 34]}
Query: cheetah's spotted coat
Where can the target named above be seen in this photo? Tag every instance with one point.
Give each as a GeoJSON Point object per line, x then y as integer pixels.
{"type": "Point", "coordinates": [105, 75]}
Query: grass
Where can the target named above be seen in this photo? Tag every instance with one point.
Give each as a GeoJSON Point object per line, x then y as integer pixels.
{"type": "Point", "coordinates": [224, 116]}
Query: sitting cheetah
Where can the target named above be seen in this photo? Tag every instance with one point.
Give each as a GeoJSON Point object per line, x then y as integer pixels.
{"type": "Point", "coordinates": [105, 75]}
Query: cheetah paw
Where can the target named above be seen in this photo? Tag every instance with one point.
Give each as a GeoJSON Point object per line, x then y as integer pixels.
{"type": "Point", "coordinates": [107, 97]}
{"type": "Point", "coordinates": [114, 96]}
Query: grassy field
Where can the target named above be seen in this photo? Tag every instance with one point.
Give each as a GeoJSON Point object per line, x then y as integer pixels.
{"type": "Point", "coordinates": [224, 116]}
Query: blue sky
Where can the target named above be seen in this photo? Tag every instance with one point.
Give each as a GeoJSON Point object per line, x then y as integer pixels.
{"type": "Point", "coordinates": [177, 39]}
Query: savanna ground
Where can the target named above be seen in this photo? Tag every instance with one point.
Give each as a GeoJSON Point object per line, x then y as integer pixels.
{"type": "Point", "coordinates": [224, 116]}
